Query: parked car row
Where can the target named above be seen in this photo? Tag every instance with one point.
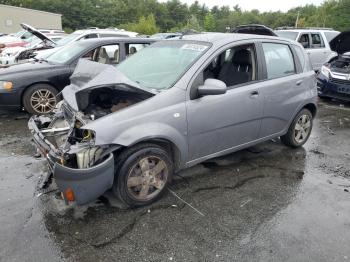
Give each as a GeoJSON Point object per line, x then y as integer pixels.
{"type": "Point", "coordinates": [41, 43]}
{"type": "Point", "coordinates": [85, 34]}
{"type": "Point", "coordinates": [35, 85]}
{"type": "Point", "coordinates": [22, 37]}
{"type": "Point", "coordinates": [130, 127]}
{"type": "Point", "coordinates": [37, 41]}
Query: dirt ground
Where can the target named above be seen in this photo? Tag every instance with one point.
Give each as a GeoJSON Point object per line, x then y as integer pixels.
{"type": "Point", "coordinates": [267, 203]}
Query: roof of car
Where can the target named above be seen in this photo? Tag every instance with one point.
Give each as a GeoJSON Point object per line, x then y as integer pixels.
{"type": "Point", "coordinates": [307, 30]}
{"type": "Point", "coordinates": [227, 37]}
{"type": "Point", "coordinates": [107, 40]}
{"type": "Point", "coordinates": [106, 31]}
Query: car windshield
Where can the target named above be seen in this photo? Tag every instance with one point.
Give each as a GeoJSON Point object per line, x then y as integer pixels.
{"type": "Point", "coordinates": [67, 39]}
{"type": "Point", "coordinates": [287, 34]}
{"type": "Point", "coordinates": [162, 64]}
{"type": "Point", "coordinates": [66, 53]}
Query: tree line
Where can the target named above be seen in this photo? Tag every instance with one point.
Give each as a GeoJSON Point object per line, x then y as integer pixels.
{"type": "Point", "coordinates": [151, 16]}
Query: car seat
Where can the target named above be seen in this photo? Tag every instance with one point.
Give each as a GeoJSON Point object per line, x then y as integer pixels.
{"type": "Point", "coordinates": [237, 71]}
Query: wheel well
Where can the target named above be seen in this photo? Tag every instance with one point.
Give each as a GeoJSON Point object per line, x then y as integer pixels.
{"type": "Point", "coordinates": [34, 84]}
{"type": "Point", "coordinates": [312, 108]}
{"type": "Point", "coordinates": [169, 146]}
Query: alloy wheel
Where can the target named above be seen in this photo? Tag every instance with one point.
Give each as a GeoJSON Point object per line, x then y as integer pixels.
{"type": "Point", "coordinates": [43, 101]}
{"type": "Point", "coordinates": [302, 129]}
{"type": "Point", "coordinates": [147, 178]}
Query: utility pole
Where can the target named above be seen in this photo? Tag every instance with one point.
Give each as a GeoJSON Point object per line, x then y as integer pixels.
{"type": "Point", "coordinates": [297, 21]}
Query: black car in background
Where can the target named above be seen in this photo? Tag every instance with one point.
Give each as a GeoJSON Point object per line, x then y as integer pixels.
{"type": "Point", "coordinates": [333, 80]}
{"type": "Point", "coordinates": [253, 29]}
{"type": "Point", "coordinates": [35, 85]}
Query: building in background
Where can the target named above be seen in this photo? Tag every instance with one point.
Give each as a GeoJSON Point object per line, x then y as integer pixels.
{"type": "Point", "coordinates": [11, 17]}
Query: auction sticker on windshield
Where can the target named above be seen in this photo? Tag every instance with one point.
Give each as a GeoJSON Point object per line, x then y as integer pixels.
{"type": "Point", "coordinates": [194, 47]}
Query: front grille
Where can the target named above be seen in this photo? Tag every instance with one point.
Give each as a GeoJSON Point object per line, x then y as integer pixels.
{"type": "Point", "coordinates": [339, 81]}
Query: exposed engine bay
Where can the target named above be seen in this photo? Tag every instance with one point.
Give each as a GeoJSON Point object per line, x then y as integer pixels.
{"type": "Point", "coordinates": [62, 130]}
{"type": "Point", "coordinates": [341, 64]}
{"type": "Point", "coordinates": [104, 101]}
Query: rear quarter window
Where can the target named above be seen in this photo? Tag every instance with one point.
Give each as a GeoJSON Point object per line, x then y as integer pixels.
{"type": "Point", "coordinates": [279, 60]}
{"type": "Point", "coordinates": [301, 56]}
{"type": "Point", "coordinates": [330, 35]}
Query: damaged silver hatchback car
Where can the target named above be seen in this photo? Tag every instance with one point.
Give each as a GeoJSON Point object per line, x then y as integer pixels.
{"type": "Point", "coordinates": [170, 106]}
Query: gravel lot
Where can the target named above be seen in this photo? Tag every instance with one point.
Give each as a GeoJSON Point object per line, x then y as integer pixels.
{"type": "Point", "coordinates": [267, 203]}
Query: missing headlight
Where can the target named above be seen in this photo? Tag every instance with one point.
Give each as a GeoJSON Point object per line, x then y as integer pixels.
{"type": "Point", "coordinates": [88, 157]}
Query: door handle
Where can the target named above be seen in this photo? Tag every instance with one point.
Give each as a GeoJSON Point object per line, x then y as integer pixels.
{"type": "Point", "coordinates": [299, 82]}
{"type": "Point", "coordinates": [254, 93]}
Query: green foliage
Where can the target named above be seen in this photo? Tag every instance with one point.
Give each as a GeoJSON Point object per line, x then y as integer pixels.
{"type": "Point", "coordinates": [209, 22]}
{"type": "Point", "coordinates": [145, 25]}
{"type": "Point", "coordinates": [148, 16]}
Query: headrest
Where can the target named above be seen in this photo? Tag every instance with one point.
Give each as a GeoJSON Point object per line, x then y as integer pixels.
{"type": "Point", "coordinates": [133, 50]}
{"type": "Point", "coordinates": [104, 53]}
{"type": "Point", "coordinates": [242, 57]}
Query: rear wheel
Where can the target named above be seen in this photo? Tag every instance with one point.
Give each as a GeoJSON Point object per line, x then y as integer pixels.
{"type": "Point", "coordinates": [40, 99]}
{"type": "Point", "coordinates": [142, 174]}
{"type": "Point", "coordinates": [300, 129]}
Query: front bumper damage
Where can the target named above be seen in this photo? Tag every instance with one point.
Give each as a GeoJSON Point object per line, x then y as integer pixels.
{"type": "Point", "coordinates": [81, 185]}
{"type": "Point", "coordinates": [86, 184]}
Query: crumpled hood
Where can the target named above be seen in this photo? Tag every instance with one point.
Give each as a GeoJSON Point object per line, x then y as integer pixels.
{"type": "Point", "coordinates": [91, 75]}
{"type": "Point", "coordinates": [341, 43]}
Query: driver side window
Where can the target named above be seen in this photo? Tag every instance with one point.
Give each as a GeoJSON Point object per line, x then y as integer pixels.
{"type": "Point", "coordinates": [235, 67]}
{"type": "Point", "coordinates": [108, 54]}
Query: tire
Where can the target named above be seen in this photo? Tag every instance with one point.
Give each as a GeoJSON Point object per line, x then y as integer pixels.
{"type": "Point", "coordinates": [40, 99]}
{"type": "Point", "coordinates": [135, 184]}
{"type": "Point", "coordinates": [300, 129]}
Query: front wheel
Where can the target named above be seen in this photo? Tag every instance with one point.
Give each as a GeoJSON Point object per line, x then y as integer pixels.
{"type": "Point", "coordinates": [40, 99]}
{"type": "Point", "coordinates": [300, 129]}
{"type": "Point", "coordinates": [142, 174]}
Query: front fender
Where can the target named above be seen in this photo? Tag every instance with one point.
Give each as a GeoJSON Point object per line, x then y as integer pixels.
{"type": "Point", "coordinates": [154, 130]}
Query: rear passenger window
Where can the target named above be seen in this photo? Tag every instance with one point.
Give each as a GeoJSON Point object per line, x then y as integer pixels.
{"type": "Point", "coordinates": [331, 35]}
{"type": "Point", "coordinates": [279, 60]}
{"type": "Point", "coordinates": [317, 41]}
{"type": "Point", "coordinates": [304, 40]}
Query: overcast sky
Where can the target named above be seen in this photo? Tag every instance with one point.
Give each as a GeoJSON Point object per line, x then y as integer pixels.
{"type": "Point", "coordinates": [261, 5]}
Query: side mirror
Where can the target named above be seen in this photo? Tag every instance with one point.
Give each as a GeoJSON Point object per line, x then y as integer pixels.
{"type": "Point", "coordinates": [212, 87]}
